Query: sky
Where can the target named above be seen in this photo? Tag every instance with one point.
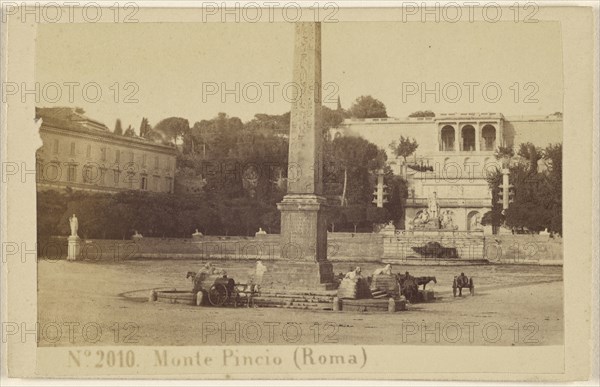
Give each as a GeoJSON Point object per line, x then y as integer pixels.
{"type": "Point", "coordinates": [160, 70]}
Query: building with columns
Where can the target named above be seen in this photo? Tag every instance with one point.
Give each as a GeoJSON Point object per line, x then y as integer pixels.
{"type": "Point", "coordinates": [83, 154]}
{"type": "Point", "coordinates": [455, 154]}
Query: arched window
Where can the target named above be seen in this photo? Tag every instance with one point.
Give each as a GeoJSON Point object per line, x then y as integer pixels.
{"type": "Point", "coordinates": [473, 221]}
{"type": "Point", "coordinates": [468, 138]}
{"type": "Point", "coordinates": [489, 137]}
{"type": "Point", "coordinates": [447, 138]}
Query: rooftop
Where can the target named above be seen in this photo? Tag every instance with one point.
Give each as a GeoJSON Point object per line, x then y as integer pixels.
{"type": "Point", "coordinates": [453, 116]}
{"type": "Point", "coordinates": [74, 119]}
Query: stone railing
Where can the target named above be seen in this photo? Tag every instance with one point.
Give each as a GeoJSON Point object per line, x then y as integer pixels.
{"type": "Point", "coordinates": [342, 247]}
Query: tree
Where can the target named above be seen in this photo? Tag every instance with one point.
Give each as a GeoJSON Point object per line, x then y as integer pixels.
{"type": "Point", "coordinates": [404, 147]}
{"type": "Point", "coordinates": [51, 205]}
{"type": "Point", "coordinates": [200, 137]}
{"type": "Point", "coordinates": [118, 128]}
{"type": "Point", "coordinates": [145, 128]}
{"type": "Point", "coordinates": [398, 192]}
{"type": "Point", "coordinates": [331, 118]}
{"type": "Point", "coordinates": [553, 200]}
{"type": "Point", "coordinates": [377, 215]}
{"type": "Point", "coordinates": [173, 129]}
{"type": "Point", "coordinates": [355, 214]}
{"type": "Point", "coordinates": [368, 107]}
{"type": "Point", "coordinates": [492, 218]}
{"type": "Point", "coordinates": [357, 157]}
{"type": "Point", "coordinates": [216, 138]}
{"type": "Point", "coordinates": [504, 153]}
{"type": "Point", "coordinates": [269, 125]}
{"type": "Point", "coordinates": [537, 201]}
{"type": "Point", "coordinates": [271, 220]}
{"type": "Point", "coordinates": [422, 113]}
{"type": "Point", "coordinates": [532, 154]}
{"type": "Point", "coordinates": [334, 216]}
{"type": "Point", "coordinates": [129, 132]}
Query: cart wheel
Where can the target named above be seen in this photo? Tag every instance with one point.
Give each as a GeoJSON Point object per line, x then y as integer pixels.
{"type": "Point", "coordinates": [218, 295]}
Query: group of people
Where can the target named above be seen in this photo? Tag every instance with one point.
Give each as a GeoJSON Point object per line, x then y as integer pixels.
{"type": "Point", "coordinates": [208, 269]}
{"type": "Point", "coordinates": [357, 272]}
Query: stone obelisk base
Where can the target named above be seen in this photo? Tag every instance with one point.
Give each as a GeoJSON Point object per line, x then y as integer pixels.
{"type": "Point", "coordinates": [74, 248]}
{"type": "Point", "coordinates": [304, 242]}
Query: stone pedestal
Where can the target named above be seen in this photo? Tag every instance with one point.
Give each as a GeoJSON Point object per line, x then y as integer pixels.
{"type": "Point", "coordinates": [304, 236]}
{"type": "Point", "coordinates": [74, 248]}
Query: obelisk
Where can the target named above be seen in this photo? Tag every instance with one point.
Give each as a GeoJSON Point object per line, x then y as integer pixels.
{"type": "Point", "coordinates": [303, 222]}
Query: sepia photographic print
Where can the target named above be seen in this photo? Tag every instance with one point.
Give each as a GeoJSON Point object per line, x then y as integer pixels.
{"type": "Point", "coordinates": [298, 191]}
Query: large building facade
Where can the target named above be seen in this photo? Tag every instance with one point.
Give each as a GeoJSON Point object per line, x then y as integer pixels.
{"type": "Point", "coordinates": [82, 154]}
{"type": "Point", "coordinates": [455, 154]}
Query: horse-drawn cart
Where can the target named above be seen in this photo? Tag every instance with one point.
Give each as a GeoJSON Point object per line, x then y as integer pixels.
{"type": "Point", "coordinates": [460, 282]}
{"type": "Point", "coordinates": [219, 290]}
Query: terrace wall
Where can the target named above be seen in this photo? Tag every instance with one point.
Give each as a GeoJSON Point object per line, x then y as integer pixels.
{"type": "Point", "coordinates": [350, 247]}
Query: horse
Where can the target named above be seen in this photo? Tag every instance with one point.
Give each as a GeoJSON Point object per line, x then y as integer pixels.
{"type": "Point", "coordinates": [424, 281]}
{"type": "Point", "coordinates": [410, 289]}
{"type": "Point", "coordinates": [409, 286]}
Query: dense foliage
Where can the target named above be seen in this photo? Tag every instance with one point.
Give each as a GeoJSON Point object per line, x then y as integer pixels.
{"type": "Point", "coordinates": [118, 216]}
{"type": "Point", "coordinates": [230, 176]}
{"type": "Point", "coordinates": [367, 107]}
{"type": "Point", "coordinates": [537, 201]}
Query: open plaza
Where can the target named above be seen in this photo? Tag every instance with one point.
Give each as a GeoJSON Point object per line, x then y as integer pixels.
{"type": "Point", "coordinates": [513, 305]}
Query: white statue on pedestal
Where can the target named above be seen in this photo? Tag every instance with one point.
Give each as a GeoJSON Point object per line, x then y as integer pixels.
{"type": "Point", "coordinates": [433, 208]}
{"type": "Point", "coordinates": [74, 223]}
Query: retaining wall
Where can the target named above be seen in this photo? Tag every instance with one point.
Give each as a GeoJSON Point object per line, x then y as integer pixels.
{"type": "Point", "coordinates": [402, 245]}
{"type": "Point", "coordinates": [341, 247]}
{"type": "Point", "coordinates": [502, 249]}
{"type": "Point", "coordinates": [524, 249]}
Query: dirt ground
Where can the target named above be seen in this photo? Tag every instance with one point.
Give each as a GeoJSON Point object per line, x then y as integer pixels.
{"type": "Point", "coordinates": [85, 303]}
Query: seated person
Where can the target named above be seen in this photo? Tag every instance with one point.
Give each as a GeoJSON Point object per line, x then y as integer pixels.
{"type": "Point", "coordinates": [354, 274]}
{"type": "Point", "coordinates": [387, 270]}
{"type": "Point", "coordinates": [206, 269]}
{"type": "Point", "coordinates": [462, 280]}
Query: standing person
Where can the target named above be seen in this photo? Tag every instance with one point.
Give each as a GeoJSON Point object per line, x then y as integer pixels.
{"type": "Point", "coordinates": [259, 272]}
